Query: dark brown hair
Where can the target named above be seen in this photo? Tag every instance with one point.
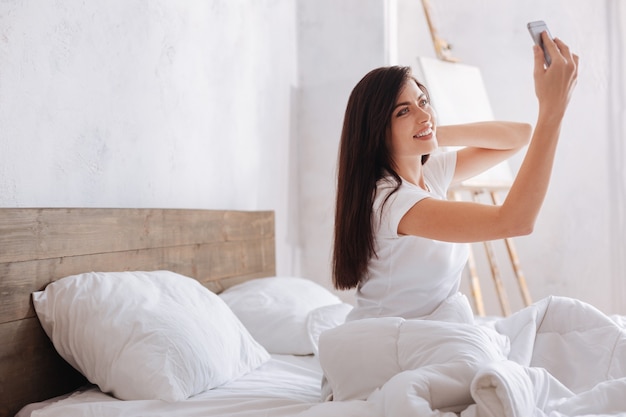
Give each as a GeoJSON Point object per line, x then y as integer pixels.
{"type": "Point", "coordinates": [364, 158]}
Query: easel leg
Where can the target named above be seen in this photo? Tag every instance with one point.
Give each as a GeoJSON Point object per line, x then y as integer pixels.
{"type": "Point", "coordinates": [475, 285]}
{"type": "Point", "coordinates": [495, 271]}
{"type": "Point", "coordinates": [474, 282]}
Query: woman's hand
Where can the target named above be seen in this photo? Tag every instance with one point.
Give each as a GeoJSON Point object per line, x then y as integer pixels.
{"type": "Point", "coordinates": [554, 85]}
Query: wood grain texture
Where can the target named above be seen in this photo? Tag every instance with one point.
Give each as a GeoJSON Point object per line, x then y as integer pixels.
{"type": "Point", "coordinates": [30, 368]}
{"type": "Point", "coordinates": [219, 248]}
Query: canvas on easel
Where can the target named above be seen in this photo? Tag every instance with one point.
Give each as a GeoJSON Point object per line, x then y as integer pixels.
{"type": "Point", "coordinates": [458, 96]}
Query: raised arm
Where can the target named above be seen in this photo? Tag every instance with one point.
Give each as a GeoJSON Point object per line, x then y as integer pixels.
{"type": "Point", "coordinates": [485, 144]}
{"type": "Point", "coordinates": [472, 222]}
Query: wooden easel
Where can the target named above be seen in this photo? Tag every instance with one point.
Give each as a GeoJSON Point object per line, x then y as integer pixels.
{"type": "Point", "coordinates": [493, 191]}
{"type": "Point", "coordinates": [442, 48]}
{"type": "Point", "coordinates": [477, 189]}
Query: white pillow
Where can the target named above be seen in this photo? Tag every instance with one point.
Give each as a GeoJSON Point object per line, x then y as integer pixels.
{"type": "Point", "coordinates": [276, 311]}
{"type": "Point", "coordinates": [146, 335]}
{"type": "Point", "coordinates": [325, 318]}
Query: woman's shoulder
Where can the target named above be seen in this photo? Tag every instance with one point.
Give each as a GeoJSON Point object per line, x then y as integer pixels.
{"type": "Point", "coordinates": [439, 170]}
{"type": "Point", "coordinates": [441, 161]}
{"type": "Point", "coordinates": [397, 193]}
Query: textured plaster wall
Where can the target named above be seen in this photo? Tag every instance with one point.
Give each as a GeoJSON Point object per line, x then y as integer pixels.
{"type": "Point", "coordinates": [238, 104]}
{"type": "Point", "coordinates": [148, 103]}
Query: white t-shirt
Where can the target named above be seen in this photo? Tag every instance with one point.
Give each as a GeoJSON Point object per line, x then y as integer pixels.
{"type": "Point", "coordinates": [410, 276]}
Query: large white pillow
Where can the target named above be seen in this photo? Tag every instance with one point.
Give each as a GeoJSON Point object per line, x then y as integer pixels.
{"type": "Point", "coordinates": [286, 314]}
{"type": "Point", "coordinates": [146, 335]}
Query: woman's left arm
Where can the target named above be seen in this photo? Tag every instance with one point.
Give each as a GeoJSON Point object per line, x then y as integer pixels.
{"type": "Point", "coordinates": [486, 144]}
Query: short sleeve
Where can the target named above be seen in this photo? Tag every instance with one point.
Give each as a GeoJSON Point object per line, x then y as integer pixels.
{"type": "Point", "coordinates": [438, 172]}
{"type": "Point", "coordinates": [389, 211]}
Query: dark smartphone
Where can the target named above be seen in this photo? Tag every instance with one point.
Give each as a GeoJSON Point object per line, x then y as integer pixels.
{"type": "Point", "coordinates": [535, 29]}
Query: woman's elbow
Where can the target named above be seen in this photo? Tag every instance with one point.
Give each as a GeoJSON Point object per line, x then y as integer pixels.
{"type": "Point", "coordinates": [520, 134]}
{"type": "Point", "coordinates": [526, 230]}
{"type": "Point", "coordinates": [520, 229]}
{"type": "Point", "coordinates": [515, 224]}
{"type": "Point", "coordinates": [525, 131]}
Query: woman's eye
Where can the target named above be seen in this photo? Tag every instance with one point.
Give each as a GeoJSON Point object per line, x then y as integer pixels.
{"type": "Point", "coordinates": [424, 102]}
{"type": "Point", "coordinates": [403, 111]}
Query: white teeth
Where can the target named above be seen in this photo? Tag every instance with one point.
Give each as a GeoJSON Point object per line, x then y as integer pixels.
{"type": "Point", "coordinates": [424, 133]}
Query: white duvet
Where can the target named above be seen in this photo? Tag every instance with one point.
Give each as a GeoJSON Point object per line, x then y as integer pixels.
{"type": "Point", "coordinates": [559, 357]}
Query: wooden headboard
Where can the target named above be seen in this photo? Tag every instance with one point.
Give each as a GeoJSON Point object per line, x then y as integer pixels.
{"type": "Point", "coordinates": [39, 245]}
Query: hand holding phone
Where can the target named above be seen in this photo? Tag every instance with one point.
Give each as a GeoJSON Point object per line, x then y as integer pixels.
{"type": "Point", "coordinates": [535, 29]}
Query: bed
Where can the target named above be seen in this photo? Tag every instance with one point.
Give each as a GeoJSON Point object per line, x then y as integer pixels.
{"type": "Point", "coordinates": [558, 357]}
{"type": "Point", "coordinates": [38, 246]}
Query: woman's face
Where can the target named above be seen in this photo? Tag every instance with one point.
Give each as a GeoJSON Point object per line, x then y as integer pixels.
{"type": "Point", "coordinates": [413, 124]}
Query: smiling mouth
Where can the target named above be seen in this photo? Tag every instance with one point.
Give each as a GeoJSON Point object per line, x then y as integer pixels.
{"type": "Point", "coordinates": [423, 133]}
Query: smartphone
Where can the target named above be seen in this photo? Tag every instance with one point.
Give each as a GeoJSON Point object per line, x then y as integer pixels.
{"type": "Point", "coordinates": [535, 29]}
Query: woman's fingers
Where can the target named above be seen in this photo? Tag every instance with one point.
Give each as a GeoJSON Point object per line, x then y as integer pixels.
{"type": "Point", "coordinates": [539, 60]}
{"type": "Point", "coordinates": [576, 63]}
{"type": "Point", "coordinates": [554, 85]}
{"type": "Point", "coordinates": [558, 49]}
{"type": "Point", "coordinates": [562, 48]}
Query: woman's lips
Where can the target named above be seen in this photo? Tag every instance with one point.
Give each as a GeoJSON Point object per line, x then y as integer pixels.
{"type": "Point", "coordinates": [424, 134]}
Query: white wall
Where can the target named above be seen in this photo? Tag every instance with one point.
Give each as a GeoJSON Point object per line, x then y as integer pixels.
{"type": "Point", "coordinates": [338, 42]}
{"type": "Point", "coordinates": [616, 13]}
{"type": "Point", "coordinates": [238, 104]}
{"type": "Point", "coordinates": [148, 103]}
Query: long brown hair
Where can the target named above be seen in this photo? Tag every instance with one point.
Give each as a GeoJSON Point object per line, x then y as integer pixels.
{"type": "Point", "coordinates": [364, 158]}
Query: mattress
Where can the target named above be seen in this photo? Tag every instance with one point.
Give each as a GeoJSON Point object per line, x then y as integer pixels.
{"type": "Point", "coordinates": [558, 357]}
{"type": "Point", "coordinates": [284, 386]}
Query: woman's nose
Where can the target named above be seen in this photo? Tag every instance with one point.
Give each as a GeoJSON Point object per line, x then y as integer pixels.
{"type": "Point", "coordinates": [423, 116]}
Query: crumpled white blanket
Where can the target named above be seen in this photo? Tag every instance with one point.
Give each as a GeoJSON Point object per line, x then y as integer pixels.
{"type": "Point", "coordinates": [559, 357]}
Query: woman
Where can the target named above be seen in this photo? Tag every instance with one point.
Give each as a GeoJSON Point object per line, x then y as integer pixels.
{"type": "Point", "coordinates": [403, 246]}
{"type": "Point", "coordinates": [397, 239]}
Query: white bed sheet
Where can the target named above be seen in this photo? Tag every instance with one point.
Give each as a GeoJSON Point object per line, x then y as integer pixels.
{"type": "Point", "coordinates": [290, 386]}
{"type": "Point", "coordinates": [284, 386]}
